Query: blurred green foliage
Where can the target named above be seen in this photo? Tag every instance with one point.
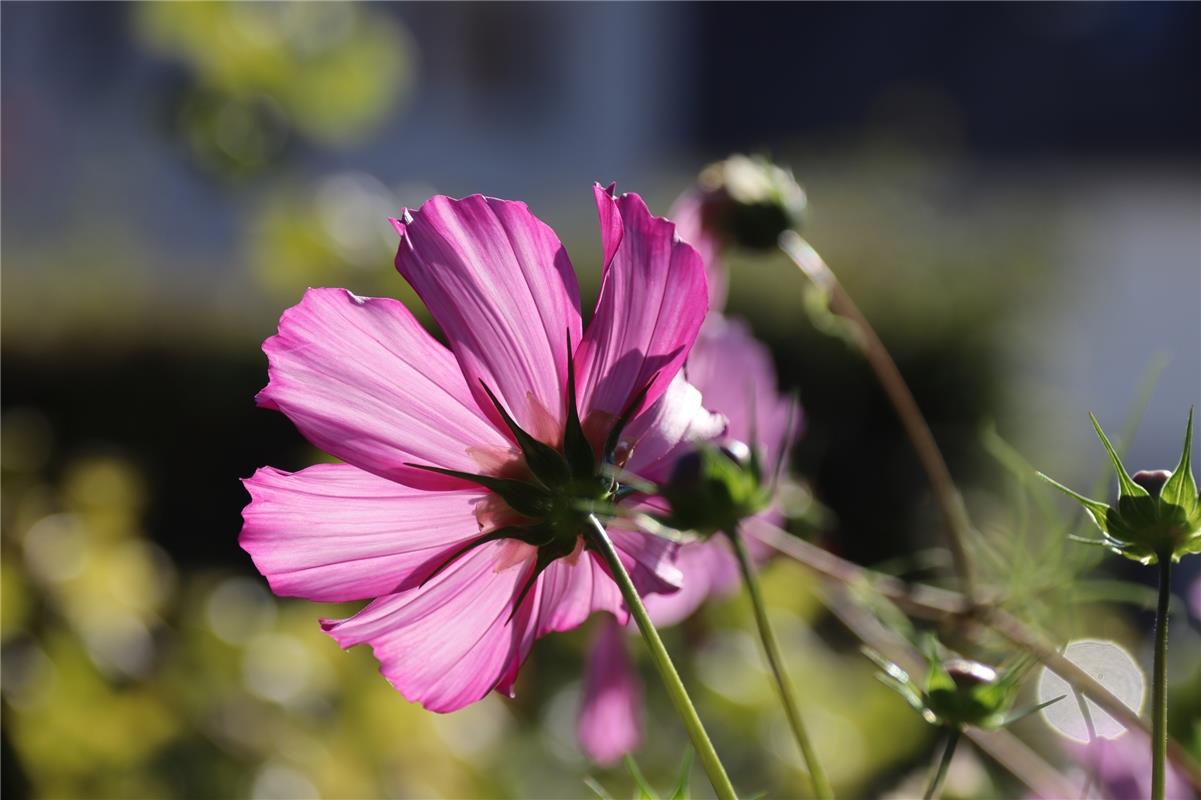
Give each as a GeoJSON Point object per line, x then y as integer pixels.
{"type": "Point", "coordinates": [329, 72]}
{"type": "Point", "coordinates": [126, 676]}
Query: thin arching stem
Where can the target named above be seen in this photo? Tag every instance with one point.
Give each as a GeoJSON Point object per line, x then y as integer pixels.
{"type": "Point", "coordinates": [598, 539]}
{"type": "Point", "coordinates": [950, 504]}
{"type": "Point", "coordinates": [784, 684]}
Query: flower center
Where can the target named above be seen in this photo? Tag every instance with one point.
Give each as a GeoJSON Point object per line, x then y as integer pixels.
{"type": "Point", "coordinates": [564, 487]}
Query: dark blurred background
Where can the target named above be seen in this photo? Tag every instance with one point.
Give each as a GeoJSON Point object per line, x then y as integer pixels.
{"type": "Point", "coordinates": [1012, 192]}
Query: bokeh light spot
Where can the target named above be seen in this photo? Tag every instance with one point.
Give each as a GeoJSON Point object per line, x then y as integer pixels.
{"type": "Point", "coordinates": [56, 547]}
{"type": "Point", "coordinates": [1113, 668]}
{"type": "Point", "coordinates": [280, 782]}
{"type": "Point", "coordinates": [239, 609]}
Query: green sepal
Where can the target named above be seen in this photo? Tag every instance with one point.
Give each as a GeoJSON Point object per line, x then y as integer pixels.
{"type": "Point", "coordinates": [681, 790]}
{"type": "Point", "coordinates": [897, 679]}
{"type": "Point", "coordinates": [1096, 509]}
{"type": "Point", "coordinates": [1191, 547]}
{"type": "Point", "coordinates": [1000, 694]}
{"type": "Point", "coordinates": [500, 533]}
{"type": "Point", "coordinates": [1126, 484]}
{"type": "Point", "coordinates": [544, 461]}
{"type": "Point", "coordinates": [645, 790]}
{"type": "Point", "coordinates": [614, 437]}
{"type": "Point", "coordinates": [1017, 716]}
{"type": "Point", "coordinates": [1181, 488]}
{"type": "Point", "coordinates": [576, 447]}
{"type": "Point", "coordinates": [550, 549]}
{"type": "Point", "coordinates": [522, 497]}
{"type": "Point", "coordinates": [595, 787]}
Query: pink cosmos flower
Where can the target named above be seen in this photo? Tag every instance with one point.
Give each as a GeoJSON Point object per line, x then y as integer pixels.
{"type": "Point", "coordinates": [457, 511]}
{"type": "Point", "coordinates": [735, 376]}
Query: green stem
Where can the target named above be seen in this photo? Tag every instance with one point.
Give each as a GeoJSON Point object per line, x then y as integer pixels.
{"type": "Point", "coordinates": [1159, 683]}
{"type": "Point", "coordinates": [598, 539]}
{"type": "Point", "coordinates": [821, 784]}
{"type": "Point", "coordinates": [946, 496]}
{"type": "Point", "coordinates": [943, 763]}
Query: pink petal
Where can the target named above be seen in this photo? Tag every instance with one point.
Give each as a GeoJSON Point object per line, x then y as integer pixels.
{"type": "Point", "coordinates": [708, 568]}
{"type": "Point", "coordinates": [609, 725]}
{"type": "Point", "coordinates": [687, 214]}
{"type": "Point", "coordinates": [736, 377]}
{"type": "Point", "coordinates": [650, 560]}
{"type": "Point", "coordinates": [365, 382]}
{"type": "Point", "coordinates": [668, 428]}
{"type": "Point", "coordinates": [652, 300]}
{"type": "Point", "coordinates": [574, 587]}
{"type": "Point", "coordinates": [333, 533]}
{"type": "Point", "coordinates": [499, 284]}
{"type": "Point", "coordinates": [447, 644]}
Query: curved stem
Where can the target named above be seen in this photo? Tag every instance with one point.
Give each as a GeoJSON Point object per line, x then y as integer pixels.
{"type": "Point", "coordinates": [784, 685]}
{"type": "Point", "coordinates": [598, 539]}
{"type": "Point", "coordinates": [943, 763]}
{"type": "Point", "coordinates": [1159, 681]}
{"type": "Point", "coordinates": [950, 504]}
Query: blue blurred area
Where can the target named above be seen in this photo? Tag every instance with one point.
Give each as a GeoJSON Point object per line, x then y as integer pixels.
{"type": "Point", "coordinates": [529, 99]}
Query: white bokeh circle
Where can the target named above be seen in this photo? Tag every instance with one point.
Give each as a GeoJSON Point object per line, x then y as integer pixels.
{"type": "Point", "coordinates": [1113, 668]}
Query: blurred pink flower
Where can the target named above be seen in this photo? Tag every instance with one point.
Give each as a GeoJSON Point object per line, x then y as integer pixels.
{"type": "Point", "coordinates": [1123, 769]}
{"type": "Point", "coordinates": [690, 224]}
{"type": "Point", "coordinates": [610, 723]}
{"type": "Point", "coordinates": [736, 378]}
{"type": "Point", "coordinates": [443, 514]}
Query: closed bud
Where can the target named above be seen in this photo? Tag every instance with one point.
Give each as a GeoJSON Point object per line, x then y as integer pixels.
{"type": "Point", "coordinates": [961, 693]}
{"type": "Point", "coordinates": [969, 674]}
{"type": "Point", "coordinates": [1152, 480]}
{"type": "Point", "coordinates": [714, 488]}
{"type": "Point", "coordinates": [749, 201]}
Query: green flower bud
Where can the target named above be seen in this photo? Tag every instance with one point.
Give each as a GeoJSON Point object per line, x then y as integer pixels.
{"type": "Point", "coordinates": [1157, 513]}
{"type": "Point", "coordinates": [714, 488]}
{"type": "Point", "coordinates": [959, 693]}
{"type": "Point", "coordinates": [749, 201]}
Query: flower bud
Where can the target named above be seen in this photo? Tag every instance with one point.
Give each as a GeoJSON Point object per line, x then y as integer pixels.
{"type": "Point", "coordinates": [969, 674]}
{"type": "Point", "coordinates": [1157, 514]}
{"type": "Point", "coordinates": [714, 488]}
{"type": "Point", "coordinates": [749, 201]}
{"type": "Point", "coordinates": [1152, 480]}
{"type": "Point", "coordinates": [961, 693]}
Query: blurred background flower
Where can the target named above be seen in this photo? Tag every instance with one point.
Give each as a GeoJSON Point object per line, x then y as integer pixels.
{"type": "Point", "coordinates": [1011, 192]}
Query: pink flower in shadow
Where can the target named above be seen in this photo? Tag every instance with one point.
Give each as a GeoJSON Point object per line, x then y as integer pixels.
{"type": "Point", "coordinates": [456, 511]}
{"type": "Point", "coordinates": [735, 376]}
{"type": "Point", "coordinates": [1122, 769]}
{"type": "Point", "coordinates": [688, 213]}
